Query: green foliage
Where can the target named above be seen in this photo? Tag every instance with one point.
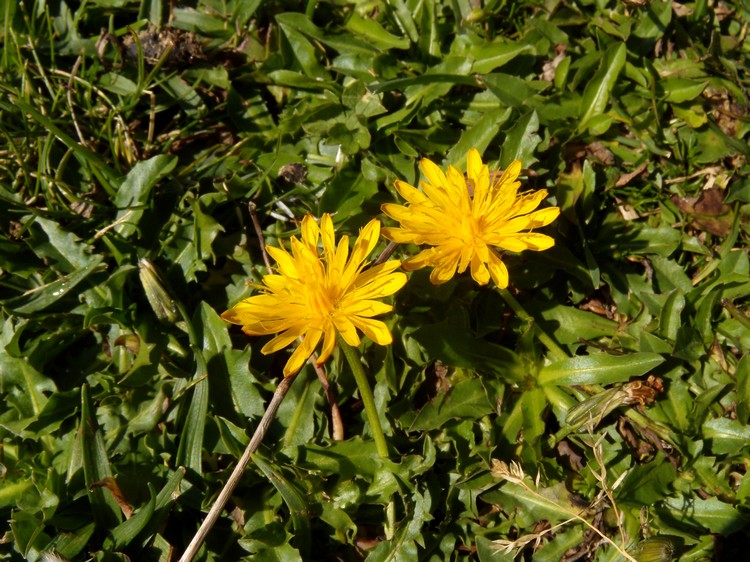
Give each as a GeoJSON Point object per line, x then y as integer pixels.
{"type": "Point", "coordinates": [127, 162]}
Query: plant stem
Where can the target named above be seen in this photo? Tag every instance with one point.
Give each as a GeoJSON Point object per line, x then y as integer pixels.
{"type": "Point", "coordinates": [228, 489]}
{"type": "Point", "coordinates": [365, 393]}
{"type": "Point", "coordinates": [520, 311]}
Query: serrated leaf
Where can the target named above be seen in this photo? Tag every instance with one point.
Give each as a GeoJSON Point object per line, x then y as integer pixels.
{"type": "Point", "coordinates": [350, 458]}
{"type": "Point", "coordinates": [466, 400]}
{"type": "Point", "coordinates": [712, 514]}
{"type": "Point", "coordinates": [295, 501]}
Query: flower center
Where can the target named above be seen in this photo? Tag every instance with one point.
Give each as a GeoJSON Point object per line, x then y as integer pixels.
{"type": "Point", "coordinates": [471, 232]}
{"type": "Point", "coordinates": [322, 300]}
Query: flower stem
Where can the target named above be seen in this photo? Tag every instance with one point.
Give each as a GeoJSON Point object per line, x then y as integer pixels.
{"type": "Point", "coordinates": [365, 393]}
{"type": "Point", "coordinates": [367, 398]}
{"type": "Point", "coordinates": [558, 352]}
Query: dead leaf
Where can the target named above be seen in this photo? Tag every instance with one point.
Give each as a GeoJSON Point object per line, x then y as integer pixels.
{"type": "Point", "coordinates": [707, 211]}
{"type": "Point", "coordinates": [109, 483]}
{"type": "Point", "coordinates": [625, 179]}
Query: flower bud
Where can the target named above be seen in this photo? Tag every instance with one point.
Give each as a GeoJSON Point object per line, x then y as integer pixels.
{"type": "Point", "coordinates": [161, 301]}
{"type": "Point", "coordinates": [658, 549]}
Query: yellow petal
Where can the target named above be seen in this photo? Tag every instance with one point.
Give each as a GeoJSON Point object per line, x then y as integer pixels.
{"type": "Point", "coordinates": [422, 259]}
{"type": "Point", "coordinates": [398, 235]}
{"type": "Point", "coordinates": [479, 272]}
{"type": "Point", "coordinates": [510, 174]}
{"type": "Point", "coordinates": [366, 308]}
{"type": "Point", "coordinates": [409, 192]}
{"type": "Point", "coordinates": [310, 231]}
{"type": "Point", "coordinates": [432, 172]}
{"type": "Point", "coordinates": [327, 234]}
{"type": "Point", "coordinates": [376, 330]}
{"type": "Point", "coordinates": [283, 340]}
{"type": "Point", "coordinates": [543, 217]}
{"type": "Point", "coordinates": [498, 271]}
{"type": "Point", "coordinates": [302, 353]}
{"type": "Point", "coordinates": [347, 330]}
{"type": "Point", "coordinates": [365, 244]}
{"type": "Point", "coordinates": [396, 212]}
{"type": "Point", "coordinates": [329, 342]}
{"type": "Point", "coordinates": [474, 164]}
{"type": "Point", "coordinates": [285, 264]}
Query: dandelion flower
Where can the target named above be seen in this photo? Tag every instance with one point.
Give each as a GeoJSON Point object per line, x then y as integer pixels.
{"type": "Point", "coordinates": [468, 220]}
{"type": "Point", "coordinates": [316, 297]}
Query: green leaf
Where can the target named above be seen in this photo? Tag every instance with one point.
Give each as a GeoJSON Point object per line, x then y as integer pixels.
{"type": "Point", "coordinates": [671, 315]}
{"type": "Point", "coordinates": [212, 332]}
{"type": "Point", "coordinates": [346, 194]}
{"type": "Point", "coordinates": [96, 465]}
{"type": "Point", "coordinates": [466, 400]}
{"type": "Point", "coordinates": [742, 374]}
{"type": "Point", "coordinates": [551, 503]}
{"type": "Point", "coordinates": [521, 141]}
{"type": "Point", "coordinates": [512, 91]}
{"type": "Point", "coordinates": [47, 295]}
{"type": "Point", "coordinates": [294, 500]}
{"type": "Point", "coordinates": [11, 492]}
{"type": "Point", "coordinates": [303, 50]}
{"type": "Point", "coordinates": [403, 17]}
{"type": "Point", "coordinates": [190, 449]}
{"type": "Point", "coordinates": [489, 56]}
{"type": "Point", "coordinates": [726, 436]}
{"type": "Point", "coordinates": [645, 484]}
{"type": "Point", "coordinates": [454, 345]}
{"type": "Point", "coordinates": [86, 157]}
{"type": "Point", "coordinates": [680, 90]}
{"type": "Point", "coordinates": [17, 373]}
{"type": "Point", "coordinates": [601, 368]}
{"type": "Point", "coordinates": [621, 239]}
{"type": "Point", "coordinates": [71, 543]}
{"type": "Point", "coordinates": [568, 325]}
{"type": "Point", "coordinates": [597, 92]}
{"type": "Point", "coordinates": [479, 136]}
{"type": "Point", "coordinates": [348, 459]}
{"type": "Point", "coordinates": [487, 551]}
{"type": "Point", "coordinates": [125, 532]}
{"type": "Point", "coordinates": [62, 248]}
{"type": "Point", "coordinates": [133, 194]}
{"type": "Point", "coordinates": [165, 500]}
{"type": "Point", "coordinates": [374, 33]}
{"type": "Point", "coordinates": [712, 514]}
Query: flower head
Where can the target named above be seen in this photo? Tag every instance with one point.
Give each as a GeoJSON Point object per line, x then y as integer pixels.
{"type": "Point", "coordinates": [315, 298]}
{"type": "Point", "coordinates": [467, 219]}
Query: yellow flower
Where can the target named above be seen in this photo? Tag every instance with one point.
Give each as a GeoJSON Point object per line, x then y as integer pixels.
{"type": "Point", "coordinates": [316, 298]}
{"type": "Point", "coordinates": [466, 219]}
